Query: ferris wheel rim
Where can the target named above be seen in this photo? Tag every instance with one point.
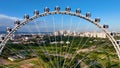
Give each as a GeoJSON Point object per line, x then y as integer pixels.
{"type": "Point", "coordinates": [25, 21]}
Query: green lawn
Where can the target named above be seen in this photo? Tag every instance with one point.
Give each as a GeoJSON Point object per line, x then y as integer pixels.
{"type": "Point", "coordinates": [102, 55]}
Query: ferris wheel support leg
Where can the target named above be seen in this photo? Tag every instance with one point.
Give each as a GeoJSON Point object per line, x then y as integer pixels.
{"type": "Point", "coordinates": [1, 49]}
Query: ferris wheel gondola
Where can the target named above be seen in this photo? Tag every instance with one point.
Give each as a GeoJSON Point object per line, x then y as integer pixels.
{"type": "Point", "coordinates": [105, 26]}
{"type": "Point", "coordinates": [26, 16]}
{"type": "Point", "coordinates": [17, 22]}
{"type": "Point", "coordinates": [68, 9]}
{"type": "Point", "coordinates": [88, 14]}
{"type": "Point", "coordinates": [57, 8]}
{"type": "Point", "coordinates": [78, 11]}
{"type": "Point", "coordinates": [46, 10]}
{"type": "Point", "coordinates": [36, 12]}
{"type": "Point", "coordinates": [9, 29]}
{"type": "Point", "coordinates": [97, 19]}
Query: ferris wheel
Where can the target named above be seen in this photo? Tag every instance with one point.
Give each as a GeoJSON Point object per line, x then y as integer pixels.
{"type": "Point", "coordinates": [87, 17]}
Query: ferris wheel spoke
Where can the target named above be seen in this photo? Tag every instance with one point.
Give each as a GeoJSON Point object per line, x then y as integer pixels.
{"type": "Point", "coordinates": [78, 43]}
{"type": "Point", "coordinates": [67, 46]}
{"type": "Point", "coordinates": [33, 50]}
{"type": "Point", "coordinates": [44, 46]}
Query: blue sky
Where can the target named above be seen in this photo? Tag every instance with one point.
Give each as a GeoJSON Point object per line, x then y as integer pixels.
{"type": "Point", "coordinates": [107, 10]}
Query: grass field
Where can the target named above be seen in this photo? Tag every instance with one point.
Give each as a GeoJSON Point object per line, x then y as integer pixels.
{"type": "Point", "coordinates": [81, 52]}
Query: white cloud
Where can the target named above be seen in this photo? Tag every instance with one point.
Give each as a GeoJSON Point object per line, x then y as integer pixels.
{"type": "Point", "coordinates": [7, 17]}
{"type": "Point", "coordinates": [7, 21]}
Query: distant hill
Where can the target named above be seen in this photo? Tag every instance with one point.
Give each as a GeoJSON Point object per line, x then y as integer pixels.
{"type": "Point", "coordinates": [4, 32]}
